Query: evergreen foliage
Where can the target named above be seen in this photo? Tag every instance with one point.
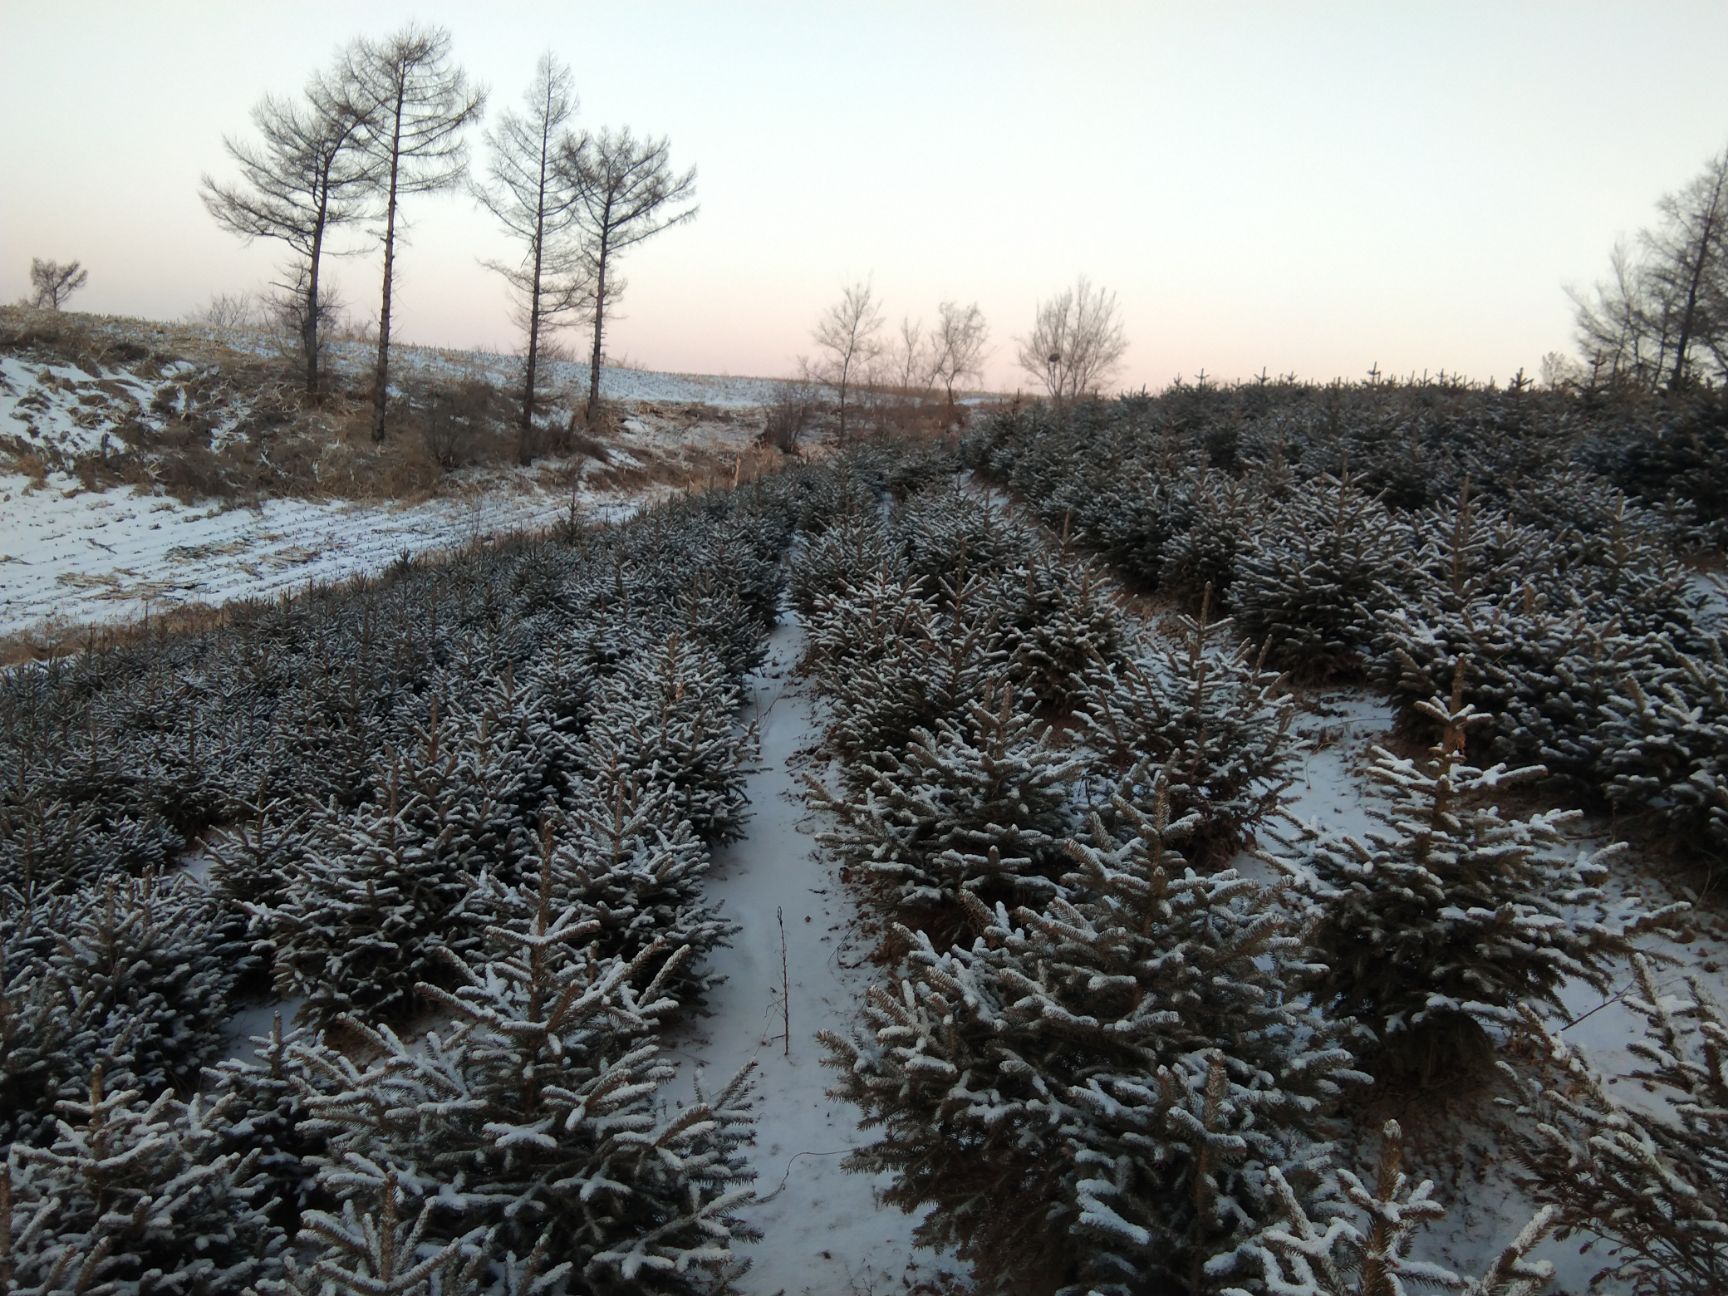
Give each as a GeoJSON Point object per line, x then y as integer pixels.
{"type": "Point", "coordinates": [975, 807]}
{"type": "Point", "coordinates": [1452, 914]}
{"type": "Point", "coordinates": [668, 715]}
{"type": "Point", "coordinates": [364, 914]}
{"type": "Point", "coordinates": [628, 869]}
{"type": "Point", "coordinates": [537, 1118]}
{"type": "Point", "coordinates": [1317, 575]}
{"type": "Point", "coordinates": [132, 976]}
{"type": "Point", "coordinates": [265, 1101]}
{"type": "Point", "coordinates": [1092, 1094]}
{"type": "Point", "coordinates": [135, 1197]}
{"type": "Point", "coordinates": [1207, 720]}
{"type": "Point", "coordinates": [1058, 624]}
{"type": "Point", "coordinates": [1371, 1254]}
{"type": "Point", "coordinates": [1656, 1190]}
{"type": "Point", "coordinates": [1198, 564]}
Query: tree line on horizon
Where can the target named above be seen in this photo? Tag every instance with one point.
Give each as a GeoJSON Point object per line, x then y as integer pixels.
{"type": "Point", "coordinates": [389, 120]}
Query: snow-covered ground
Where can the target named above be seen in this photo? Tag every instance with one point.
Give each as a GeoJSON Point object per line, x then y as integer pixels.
{"type": "Point", "coordinates": [1461, 1143]}
{"type": "Point", "coordinates": [566, 376]}
{"type": "Point", "coordinates": [72, 557]}
{"type": "Point", "coordinates": [63, 410]}
{"type": "Point", "coordinates": [824, 1233]}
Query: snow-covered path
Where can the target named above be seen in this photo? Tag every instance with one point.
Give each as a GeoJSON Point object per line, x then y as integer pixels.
{"type": "Point", "coordinates": [823, 1231]}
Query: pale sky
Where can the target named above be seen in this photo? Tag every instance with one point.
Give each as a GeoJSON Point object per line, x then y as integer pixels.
{"type": "Point", "coordinates": [1309, 188]}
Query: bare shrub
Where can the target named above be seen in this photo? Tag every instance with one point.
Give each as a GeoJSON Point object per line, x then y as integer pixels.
{"type": "Point", "coordinates": [460, 424]}
{"type": "Point", "coordinates": [789, 414]}
{"type": "Point", "coordinates": [231, 311]}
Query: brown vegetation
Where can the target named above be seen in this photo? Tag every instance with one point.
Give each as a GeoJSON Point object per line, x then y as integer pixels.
{"type": "Point", "coordinates": [228, 421]}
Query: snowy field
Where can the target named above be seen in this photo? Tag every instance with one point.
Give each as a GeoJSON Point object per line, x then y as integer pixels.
{"type": "Point", "coordinates": [71, 556]}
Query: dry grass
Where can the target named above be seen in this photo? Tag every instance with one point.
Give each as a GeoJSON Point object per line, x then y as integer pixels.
{"type": "Point", "coordinates": [238, 427]}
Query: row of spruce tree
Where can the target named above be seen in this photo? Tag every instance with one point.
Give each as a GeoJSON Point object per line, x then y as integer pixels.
{"type": "Point", "coordinates": [456, 825]}
{"type": "Point", "coordinates": [1384, 534]}
{"type": "Point", "coordinates": [1104, 1059]}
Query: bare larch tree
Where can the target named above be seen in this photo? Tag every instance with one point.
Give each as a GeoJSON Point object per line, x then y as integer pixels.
{"type": "Point", "coordinates": [416, 104]}
{"type": "Point", "coordinates": [957, 346]}
{"type": "Point", "coordinates": [846, 337]}
{"type": "Point", "coordinates": [628, 194]}
{"type": "Point", "coordinates": [299, 182]}
{"type": "Point", "coordinates": [1688, 262]}
{"type": "Point", "coordinates": [535, 200]}
{"type": "Point", "coordinates": [52, 283]}
{"type": "Point", "coordinates": [1665, 304]}
{"type": "Point", "coordinates": [1076, 341]}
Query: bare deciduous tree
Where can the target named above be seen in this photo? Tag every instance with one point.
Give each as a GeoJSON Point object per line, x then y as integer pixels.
{"type": "Point", "coordinates": [416, 104]}
{"type": "Point", "coordinates": [846, 336]}
{"type": "Point", "coordinates": [1666, 302]}
{"type": "Point", "coordinates": [957, 346]}
{"type": "Point", "coordinates": [911, 361]}
{"type": "Point", "coordinates": [52, 283]}
{"type": "Point", "coordinates": [628, 194]}
{"type": "Point", "coordinates": [536, 201]}
{"type": "Point", "coordinates": [1688, 263]}
{"type": "Point", "coordinates": [303, 179]}
{"type": "Point", "coordinates": [1619, 325]}
{"type": "Point", "coordinates": [1076, 341]}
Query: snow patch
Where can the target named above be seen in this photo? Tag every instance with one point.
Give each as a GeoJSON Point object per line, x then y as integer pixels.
{"type": "Point", "coordinates": [824, 1230]}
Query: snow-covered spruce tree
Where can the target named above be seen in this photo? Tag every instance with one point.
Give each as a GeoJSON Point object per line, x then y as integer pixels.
{"type": "Point", "coordinates": [549, 1079]}
{"type": "Point", "coordinates": [264, 1103]}
{"type": "Point", "coordinates": [670, 713]}
{"type": "Point", "coordinates": [1091, 1096]}
{"type": "Point", "coordinates": [134, 976]}
{"type": "Point", "coordinates": [1664, 742]}
{"type": "Point", "coordinates": [366, 910]}
{"type": "Point", "coordinates": [1467, 573]}
{"type": "Point", "coordinates": [931, 674]}
{"type": "Point", "coordinates": [136, 1196]}
{"type": "Point", "coordinates": [1134, 514]}
{"type": "Point", "coordinates": [844, 555]}
{"type": "Point", "coordinates": [629, 868]}
{"type": "Point", "coordinates": [976, 806]}
{"type": "Point", "coordinates": [947, 532]}
{"type": "Point", "coordinates": [1370, 1254]}
{"type": "Point", "coordinates": [1655, 1190]}
{"type": "Point", "coordinates": [861, 620]}
{"type": "Point", "coordinates": [364, 1253]}
{"type": "Point", "coordinates": [78, 822]}
{"type": "Point", "coordinates": [250, 859]}
{"type": "Point", "coordinates": [1628, 570]}
{"type": "Point", "coordinates": [1203, 557]}
{"type": "Point", "coordinates": [1207, 719]}
{"type": "Point", "coordinates": [522, 747]}
{"type": "Point", "coordinates": [1058, 624]}
{"type": "Point", "coordinates": [478, 808]}
{"type": "Point", "coordinates": [716, 616]}
{"type": "Point", "coordinates": [1317, 575]}
{"type": "Point", "coordinates": [1451, 914]}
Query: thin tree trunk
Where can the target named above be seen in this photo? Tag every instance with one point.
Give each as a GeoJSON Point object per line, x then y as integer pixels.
{"type": "Point", "coordinates": [523, 450]}
{"type": "Point", "coordinates": [1689, 317]}
{"type": "Point", "coordinates": [599, 326]}
{"type": "Point", "coordinates": [309, 330]}
{"type": "Point", "coordinates": [381, 376]}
